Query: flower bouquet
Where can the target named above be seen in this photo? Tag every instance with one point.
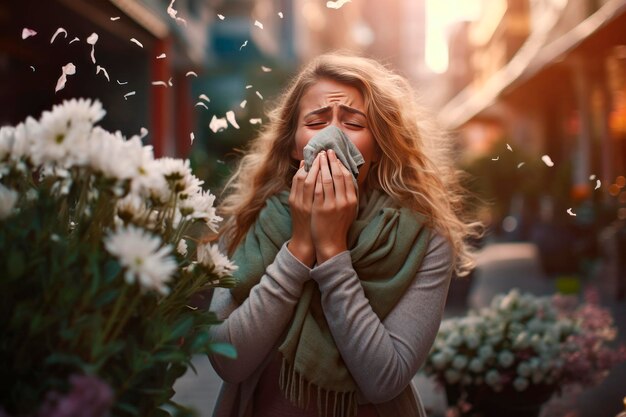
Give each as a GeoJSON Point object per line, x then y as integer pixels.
{"type": "Point", "coordinates": [510, 358]}
{"type": "Point", "coordinates": [104, 248]}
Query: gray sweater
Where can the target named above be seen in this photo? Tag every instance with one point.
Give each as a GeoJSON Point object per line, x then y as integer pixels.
{"type": "Point", "coordinates": [382, 356]}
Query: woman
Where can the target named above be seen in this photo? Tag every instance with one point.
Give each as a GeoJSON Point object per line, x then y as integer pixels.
{"type": "Point", "coordinates": [342, 279]}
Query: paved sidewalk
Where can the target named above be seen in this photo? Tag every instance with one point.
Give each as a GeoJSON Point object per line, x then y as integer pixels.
{"type": "Point", "coordinates": [501, 267]}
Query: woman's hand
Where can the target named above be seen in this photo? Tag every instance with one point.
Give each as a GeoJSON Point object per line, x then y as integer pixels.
{"type": "Point", "coordinates": [301, 203]}
{"type": "Point", "coordinates": [334, 207]}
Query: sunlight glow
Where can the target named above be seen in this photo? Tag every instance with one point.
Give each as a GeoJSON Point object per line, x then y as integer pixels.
{"type": "Point", "coordinates": [440, 14]}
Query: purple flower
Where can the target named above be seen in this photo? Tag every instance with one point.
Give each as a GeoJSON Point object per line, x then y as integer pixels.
{"type": "Point", "coordinates": [88, 397]}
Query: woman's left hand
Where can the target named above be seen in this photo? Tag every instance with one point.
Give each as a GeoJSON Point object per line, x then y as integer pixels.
{"type": "Point", "coordinates": [334, 207]}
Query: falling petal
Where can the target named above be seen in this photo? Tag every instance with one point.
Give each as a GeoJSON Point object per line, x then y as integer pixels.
{"type": "Point", "coordinates": [68, 69]}
{"type": "Point", "coordinates": [91, 40]}
{"type": "Point", "coordinates": [570, 212]}
{"type": "Point", "coordinates": [221, 16]}
{"type": "Point", "coordinates": [509, 147]}
{"type": "Point", "coordinates": [122, 83]}
{"type": "Point", "coordinates": [33, 68]}
{"type": "Point", "coordinates": [230, 116]}
{"type": "Point", "coordinates": [243, 104]}
{"type": "Point", "coordinates": [161, 56]}
{"type": "Point", "coordinates": [256, 121]}
{"type": "Point", "coordinates": [598, 184]}
{"type": "Point", "coordinates": [204, 97]}
{"type": "Point", "coordinates": [496, 158]}
{"type": "Point", "coordinates": [258, 24]}
{"type": "Point", "coordinates": [521, 164]}
{"type": "Point", "coordinates": [192, 136]}
{"type": "Point", "coordinates": [173, 13]}
{"type": "Point", "coordinates": [163, 83]}
{"type": "Point", "coordinates": [280, 14]}
{"type": "Point", "coordinates": [74, 40]}
{"type": "Point", "coordinates": [27, 33]}
{"type": "Point", "coordinates": [243, 45]}
{"type": "Point", "coordinates": [59, 30]}
{"type": "Point", "coordinates": [143, 132]}
{"type": "Point", "coordinates": [259, 95]}
{"type": "Point", "coordinates": [219, 161]}
{"type": "Point", "coordinates": [113, 19]}
{"type": "Point", "coordinates": [546, 159]}
{"type": "Point", "coordinates": [137, 42]}
{"type": "Point", "coordinates": [132, 93]}
{"type": "Point", "coordinates": [336, 4]}
{"type": "Point", "coordinates": [201, 103]}
{"type": "Point", "coordinates": [592, 177]}
{"type": "Point", "coordinates": [191, 73]}
{"type": "Point", "coordinates": [266, 69]}
{"type": "Point", "coordinates": [169, 82]}
{"type": "Point", "coordinates": [218, 124]}
{"type": "Point", "coordinates": [106, 74]}
{"type": "Point", "coordinates": [249, 86]}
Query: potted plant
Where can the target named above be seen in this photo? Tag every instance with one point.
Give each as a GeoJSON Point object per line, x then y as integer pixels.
{"type": "Point", "coordinates": [511, 357]}
{"type": "Point", "coordinates": [103, 250]}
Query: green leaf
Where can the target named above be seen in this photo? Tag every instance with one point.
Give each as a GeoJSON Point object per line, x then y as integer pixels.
{"type": "Point", "coordinates": [224, 349]}
{"type": "Point", "coordinates": [111, 269]}
{"type": "Point", "coordinates": [181, 328]}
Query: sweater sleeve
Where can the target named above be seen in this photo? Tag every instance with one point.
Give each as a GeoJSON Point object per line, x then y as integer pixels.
{"type": "Point", "coordinates": [384, 356]}
{"type": "Point", "coordinates": [254, 327]}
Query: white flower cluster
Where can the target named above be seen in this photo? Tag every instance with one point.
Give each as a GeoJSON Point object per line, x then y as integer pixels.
{"type": "Point", "coordinates": [153, 199]}
{"type": "Point", "coordinates": [516, 341]}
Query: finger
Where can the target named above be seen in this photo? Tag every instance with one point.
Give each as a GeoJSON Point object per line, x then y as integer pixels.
{"type": "Point", "coordinates": [327, 179]}
{"type": "Point", "coordinates": [309, 182]}
{"type": "Point", "coordinates": [348, 181]}
{"type": "Point", "coordinates": [318, 197]}
{"type": "Point", "coordinates": [296, 182]}
{"type": "Point", "coordinates": [337, 174]}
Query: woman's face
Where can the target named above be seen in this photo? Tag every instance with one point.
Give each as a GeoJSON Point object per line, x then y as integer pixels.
{"type": "Point", "coordinates": [329, 102]}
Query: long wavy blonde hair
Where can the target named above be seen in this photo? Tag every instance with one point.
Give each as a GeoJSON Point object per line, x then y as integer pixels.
{"type": "Point", "coordinates": [415, 166]}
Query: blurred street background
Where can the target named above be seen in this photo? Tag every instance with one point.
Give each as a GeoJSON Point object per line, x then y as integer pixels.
{"type": "Point", "coordinates": [533, 93]}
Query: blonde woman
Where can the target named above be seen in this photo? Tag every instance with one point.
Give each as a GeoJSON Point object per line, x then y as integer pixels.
{"type": "Point", "coordinates": [343, 217]}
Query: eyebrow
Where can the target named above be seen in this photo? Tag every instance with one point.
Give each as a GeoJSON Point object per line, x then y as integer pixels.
{"type": "Point", "coordinates": [341, 106]}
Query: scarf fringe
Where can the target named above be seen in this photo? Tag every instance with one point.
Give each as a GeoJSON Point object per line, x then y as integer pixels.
{"type": "Point", "coordinates": [298, 391]}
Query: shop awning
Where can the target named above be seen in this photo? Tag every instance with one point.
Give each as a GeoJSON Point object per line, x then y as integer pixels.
{"type": "Point", "coordinates": [535, 55]}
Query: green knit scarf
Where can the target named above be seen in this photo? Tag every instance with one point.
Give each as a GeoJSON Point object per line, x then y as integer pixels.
{"type": "Point", "coordinates": [387, 245]}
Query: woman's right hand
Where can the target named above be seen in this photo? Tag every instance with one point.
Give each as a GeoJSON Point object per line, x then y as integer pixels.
{"type": "Point", "coordinates": [301, 203]}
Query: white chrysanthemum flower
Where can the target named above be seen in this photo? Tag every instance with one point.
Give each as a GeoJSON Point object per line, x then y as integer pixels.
{"type": "Point", "coordinates": [472, 340]}
{"type": "Point", "coordinates": [476, 365]}
{"type": "Point", "coordinates": [8, 198]}
{"type": "Point", "coordinates": [439, 360]}
{"type": "Point", "coordinates": [141, 254]}
{"type": "Point", "coordinates": [114, 156]}
{"type": "Point", "coordinates": [7, 138]}
{"type": "Point", "coordinates": [520, 384]}
{"type": "Point", "coordinates": [182, 247]}
{"type": "Point", "coordinates": [506, 358]}
{"type": "Point", "coordinates": [524, 369]}
{"type": "Point", "coordinates": [485, 352]}
{"type": "Point", "coordinates": [131, 208]}
{"type": "Point", "coordinates": [82, 109]}
{"type": "Point", "coordinates": [58, 139]}
{"type": "Point", "coordinates": [460, 362]}
{"type": "Point", "coordinates": [179, 176]}
{"type": "Point", "coordinates": [201, 206]}
{"type": "Point", "coordinates": [454, 340]}
{"type": "Point", "coordinates": [452, 376]}
{"type": "Point", "coordinates": [210, 256]}
{"type": "Point", "coordinates": [23, 137]}
{"type": "Point", "coordinates": [492, 377]}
